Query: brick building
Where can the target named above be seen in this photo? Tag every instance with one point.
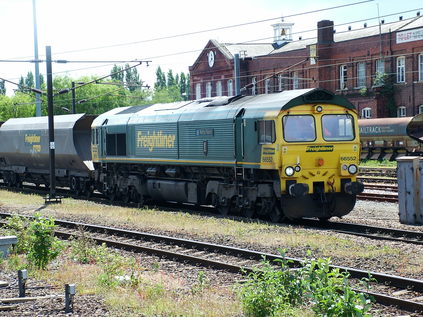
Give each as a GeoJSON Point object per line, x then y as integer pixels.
{"type": "Point", "coordinates": [378, 68]}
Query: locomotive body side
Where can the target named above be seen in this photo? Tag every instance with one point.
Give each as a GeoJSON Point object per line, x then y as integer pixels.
{"type": "Point", "coordinates": [232, 153]}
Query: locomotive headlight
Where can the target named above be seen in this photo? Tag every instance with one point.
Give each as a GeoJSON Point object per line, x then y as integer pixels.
{"type": "Point", "coordinates": [352, 169]}
{"type": "Point", "coordinates": [297, 168]}
{"type": "Point", "coordinates": [289, 171]}
{"type": "Point", "coordinates": [318, 108]}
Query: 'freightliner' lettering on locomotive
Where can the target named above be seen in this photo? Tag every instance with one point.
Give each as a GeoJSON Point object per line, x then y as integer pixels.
{"type": "Point", "coordinates": [155, 140]}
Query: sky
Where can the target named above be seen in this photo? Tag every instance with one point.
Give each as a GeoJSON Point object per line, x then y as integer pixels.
{"type": "Point", "coordinates": [158, 31]}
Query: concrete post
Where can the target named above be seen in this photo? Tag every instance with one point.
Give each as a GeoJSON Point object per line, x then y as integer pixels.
{"type": "Point", "coordinates": [410, 189]}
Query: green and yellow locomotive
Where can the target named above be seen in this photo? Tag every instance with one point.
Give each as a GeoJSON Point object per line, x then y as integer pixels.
{"type": "Point", "coordinates": [292, 154]}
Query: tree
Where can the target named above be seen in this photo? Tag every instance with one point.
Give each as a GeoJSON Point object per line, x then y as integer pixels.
{"type": "Point", "coordinates": [29, 80]}
{"type": "Point", "coordinates": [160, 79]}
{"type": "Point", "coordinates": [117, 74]}
{"type": "Point", "coordinates": [132, 78]}
{"type": "Point", "coordinates": [170, 79]}
{"type": "Point", "coordinates": [2, 88]}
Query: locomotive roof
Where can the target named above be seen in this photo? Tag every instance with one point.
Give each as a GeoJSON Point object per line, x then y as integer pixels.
{"type": "Point", "coordinates": [259, 106]}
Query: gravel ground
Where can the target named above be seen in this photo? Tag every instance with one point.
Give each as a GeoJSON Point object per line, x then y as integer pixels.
{"type": "Point", "coordinates": [365, 212]}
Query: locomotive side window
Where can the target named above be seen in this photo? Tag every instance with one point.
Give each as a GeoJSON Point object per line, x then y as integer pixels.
{"type": "Point", "coordinates": [116, 144]}
{"type": "Point", "coordinates": [299, 128]}
{"type": "Point", "coordinates": [266, 131]}
{"type": "Point", "coordinates": [338, 127]}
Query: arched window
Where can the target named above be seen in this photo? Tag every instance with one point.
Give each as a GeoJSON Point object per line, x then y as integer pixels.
{"type": "Point", "coordinates": [219, 88]}
{"type": "Point", "coordinates": [198, 91]}
{"type": "Point", "coordinates": [208, 89]}
{"type": "Point", "coordinates": [230, 87]}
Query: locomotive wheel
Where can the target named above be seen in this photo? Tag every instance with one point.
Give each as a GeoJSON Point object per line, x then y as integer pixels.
{"type": "Point", "coordinates": [247, 212]}
{"type": "Point", "coordinates": [222, 209]}
{"type": "Point", "coordinates": [126, 195]}
{"type": "Point", "coordinates": [275, 214]}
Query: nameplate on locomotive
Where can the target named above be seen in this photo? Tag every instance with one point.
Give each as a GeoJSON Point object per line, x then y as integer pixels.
{"type": "Point", "coordinates": [319, 148]}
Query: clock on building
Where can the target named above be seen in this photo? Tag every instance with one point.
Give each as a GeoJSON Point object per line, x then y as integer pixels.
{"type": "Point", "coordinates": [210, 56]}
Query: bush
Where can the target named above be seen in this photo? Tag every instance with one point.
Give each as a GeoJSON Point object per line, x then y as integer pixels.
{"type": "Point", "coordinates": [274, 291]}
{"type": "Point", "coordinates": [35, 239]}
{"type": "Point", "coordinates": [43, 245]}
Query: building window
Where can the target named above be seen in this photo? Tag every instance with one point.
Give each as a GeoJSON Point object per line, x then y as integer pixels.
{"type": "Point", "coordinates": [402, 111]}
{"type": "Point", "coordinates": [253, 87]}
{"type": "Point", "coordinates": [380, 66]}
{"type": "Point", "coordinates": [267, 88]}
{"type": "Point", "coordinates": [280, 83]}
{"type": "Point", "coordinates": [219, 88]}
{"type": "Point", "coordinates": [295, 80]}
{"type": "Point", "coordinates": [421, 109]}
{"type": "Point", "coordinates": [421, 67]}
{"type": "Point", "coordinates": [366, 113]}
{"type": "Point", "coordinates": [208, 89]}
{"type": "Point", "coordinates": [198, 91]}
{"type": "Point", "coordinates": [401, 69]}
{"type": "Point", "coordinates": [361, 74]}
{"type": "Point", "coordinates": [230, 87]}
{"type": "Point", "coordinates": [343, 77]}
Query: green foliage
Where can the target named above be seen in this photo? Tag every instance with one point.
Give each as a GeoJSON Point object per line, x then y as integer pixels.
{"type": "Point", "coordinates": [43, 245]}
{"type": "Point", "coordinates": [35, 239]}
{"type": "Point", "coordinates": [385, 84]}
{"type": "Point", "coordinates": [376, 163]}
{"type": "Point", "coordinates": [2, 88]}
{"type": "Point", "coordinates": [202, 283]}
{"type": "Point", "coordinates": [18, 226]}
{"type": "Point", "coordinates": [170, 88]}
{"type": "Point", "coordinates": [83, 249]}
{"type": "Point", "coordinates": [160, 79]}
{"type": "Point", "coordinates": [117, 74]}
{"type": "Point", "coordinates": [272, 291]}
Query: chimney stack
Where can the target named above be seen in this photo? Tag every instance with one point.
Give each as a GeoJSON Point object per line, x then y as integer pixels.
{"type": "Point", "coordinates": [325, 32]}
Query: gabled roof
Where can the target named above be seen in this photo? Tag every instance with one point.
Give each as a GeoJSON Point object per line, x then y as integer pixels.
{"type": "Point", "coordinates": [262, 49]}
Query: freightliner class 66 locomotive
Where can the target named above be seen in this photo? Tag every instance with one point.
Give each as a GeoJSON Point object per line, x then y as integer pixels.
{"type": "Point", "coordinates": [291, 154]}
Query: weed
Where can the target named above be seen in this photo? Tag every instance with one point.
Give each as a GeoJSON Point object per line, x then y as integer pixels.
{"type": "Point", "coordinates": [271, 291]}
{"type": "Point", "coordinates": [202, 283]}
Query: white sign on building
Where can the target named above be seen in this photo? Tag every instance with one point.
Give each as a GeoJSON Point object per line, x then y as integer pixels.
{"type": "Point", "coordinates": [409, 36]}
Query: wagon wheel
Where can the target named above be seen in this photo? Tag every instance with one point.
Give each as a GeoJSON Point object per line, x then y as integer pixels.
{"type": "Point", "coordinates": [88, 190]}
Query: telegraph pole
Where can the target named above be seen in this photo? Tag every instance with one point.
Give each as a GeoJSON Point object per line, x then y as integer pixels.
{"type": "Point", "coordinates": [52, 197]}
{"type": "Point", "coordinates": [37, 67]}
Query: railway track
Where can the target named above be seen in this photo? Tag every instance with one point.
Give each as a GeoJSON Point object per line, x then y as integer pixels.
{"type": "Point", "coordinates": [383, 197]}
{"type": "Point", "coordinates": [371, 232]}
{"type": "Point", "coordinates": [401, 293]}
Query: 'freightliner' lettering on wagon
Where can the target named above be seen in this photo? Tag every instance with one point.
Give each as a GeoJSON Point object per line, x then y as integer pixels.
{"type": "Point", "coordinates": [154, 139]}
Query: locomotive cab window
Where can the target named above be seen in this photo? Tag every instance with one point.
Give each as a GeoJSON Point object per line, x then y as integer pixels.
{"type": "Point", "coordinates": [338, 127]}
{"type": "Point", "coordinates": [299, 128]}
{"type": "Point", "coordinates": [266, 131]}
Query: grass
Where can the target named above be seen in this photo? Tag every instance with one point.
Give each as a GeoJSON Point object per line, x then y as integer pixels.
{"type": "Point", "coordinates": [375, 163]}
{"type": "Point", "coordinates": [156, 293]}
{"type": "Point", "coordinates": [200, 227]}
